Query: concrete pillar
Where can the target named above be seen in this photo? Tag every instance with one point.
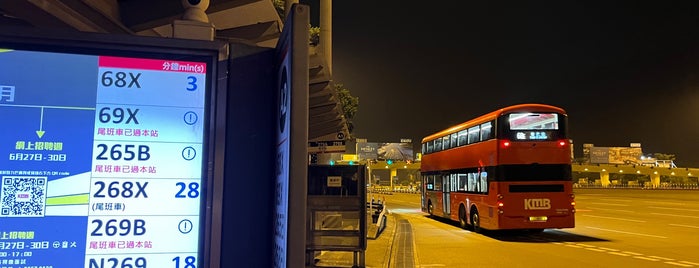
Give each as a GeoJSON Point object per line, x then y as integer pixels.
{"type": "Point", "coordinates": [287, 6]}
{"type": "Point", "coordinates": [604, 178]}
{"type": "Point", "coordinates": [326, 14]}
{"type": "Point", "coordinates": [394, 172]}
{"type": "Point", "coordinates": [655, 179]}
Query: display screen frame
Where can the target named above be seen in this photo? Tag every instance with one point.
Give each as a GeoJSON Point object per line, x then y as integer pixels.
{"type": "Point", "coordinates": [210, 52]}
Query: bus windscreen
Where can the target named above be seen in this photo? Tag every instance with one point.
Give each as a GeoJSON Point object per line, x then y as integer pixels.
{"type": "Point", "coordinates": [534, 126]}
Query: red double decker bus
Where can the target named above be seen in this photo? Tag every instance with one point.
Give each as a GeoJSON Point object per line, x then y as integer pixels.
{"type": "Point", "coordinates": [507, 169]}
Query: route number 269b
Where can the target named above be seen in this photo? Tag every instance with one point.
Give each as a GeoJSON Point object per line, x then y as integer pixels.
{"type": "Point", "coordinates": [122, 227]}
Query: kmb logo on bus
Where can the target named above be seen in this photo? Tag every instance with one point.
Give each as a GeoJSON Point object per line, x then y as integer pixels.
{"type": "Point", "coordinates": [537, 203]}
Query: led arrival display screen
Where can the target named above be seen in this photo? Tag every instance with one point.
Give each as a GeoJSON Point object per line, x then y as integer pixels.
{"type": "Point", "coordinates": [102, 158]}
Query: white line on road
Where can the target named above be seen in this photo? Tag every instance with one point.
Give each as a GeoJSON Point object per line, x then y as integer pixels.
{"type": "Point", "coordinates": [617, 210]}
{"type": "Point", "coordinates": [645, 258]}
{"type": "Point", "coordinates": [675, 215]}
{"type": "Point", "coordinates": [616, 200]}
{"type": "Point", "coordinates": [432, 265]}
{"type": "Point", "coordinates": [679, 264]}
{"type": "Point", "coordinates": [608, 204]}
{"type": "Point", "coordinates": [595, 249]}
{"type": "Point", "coordinates": [612, 218]}
{"type": "Point", "coordinates": [609, 249]}
{"type": "Point", "coordinates": [633, 253]}
{"type": "Point", "coordinates": [609, 230]}
{"type": "Point", "coordinates": [620, 254]}
{"type": "Point", "coordinates": [662, 258]}
{"type": "Point", "coordinates": [665, 203]}
{"type": "Point", "coordinates": [680, 209]}
{"type": "Point", "coordinates": [682, 225]}
{"type": "Point", "coordinates": [690, 263]}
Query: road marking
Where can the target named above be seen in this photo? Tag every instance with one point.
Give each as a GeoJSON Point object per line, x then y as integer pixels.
{"type": "Point", "coordinates": [690, 263]}
{"type": "Point", "coordinates": [573, 246]}
{"type": "Point", "coordinates": [645, 258]}
{"type": "Point", "coordinates": [680, 209]}
{"type": "Point", "coordinates": [612, 218]}
{"type": "Point", "coordinates": [619, 200]}
{"type": "Point", "coordinates": [675, 215]}
{"type": "Point", "coordinates": [632, 253]}
{"type": "Point", "coordinates": [617, 210]}
{"type": "Point", "coordinates": [682, 225]}
{"type": "Point", "coordinates": [595, 249]}
{"type": "Point", "coordinates": [609, 249]}
{"type": "Point", "coordinates": [679, 264]}
{"type": "Point", "coordinates": [662, 258]}
{"type": "Point", "coordinates": [432, 265]}
{"type": "Point", "coordinates": [607, 204]}
{"type": "Point", "coordinates": [609, 230]}
{"type": "Point", "coordinates": [666, 203]}
{"type": "Point", "coordinates": [617, 253]}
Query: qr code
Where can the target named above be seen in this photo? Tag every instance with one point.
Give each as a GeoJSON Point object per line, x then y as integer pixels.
{"type": "Point", "coordinates": [23, 196]}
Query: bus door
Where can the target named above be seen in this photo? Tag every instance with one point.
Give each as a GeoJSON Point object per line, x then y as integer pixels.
{"type": "Point", "coordinates": [446, 189]}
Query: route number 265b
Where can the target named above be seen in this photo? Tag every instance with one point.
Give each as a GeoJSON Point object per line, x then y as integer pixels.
{"type": "Point", "coordinates": [128, 152]}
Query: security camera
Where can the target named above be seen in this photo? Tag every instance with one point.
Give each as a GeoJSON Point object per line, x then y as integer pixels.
{"type": "Point", "coordinates": [201, 4]}
{"type": "Point", "coordinates": [195, 10]}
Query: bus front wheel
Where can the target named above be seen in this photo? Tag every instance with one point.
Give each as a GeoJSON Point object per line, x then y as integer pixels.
{"type": "Point", "coordinates": [475, 221]}
{"type": "Point", "coordinates": [462, 217]}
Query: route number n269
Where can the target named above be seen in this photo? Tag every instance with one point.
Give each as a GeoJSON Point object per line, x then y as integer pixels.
{"type": "Point", "coordinates": [118, 263]}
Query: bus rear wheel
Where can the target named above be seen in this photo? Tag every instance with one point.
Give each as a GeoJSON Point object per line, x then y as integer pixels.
{"type": "Point", "coordinates": [475, 221]}
{"type": "Point", "coordinates": [462, 217]}
{"type": "Point", "coordinates": [430, 208]}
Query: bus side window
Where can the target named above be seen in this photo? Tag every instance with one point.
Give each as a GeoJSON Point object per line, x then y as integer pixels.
{"type": "Point", "coordinates": [486, 131]}
{"type": "Point", "coordinates": [474, 134]}
{"type": "Point", "coordinates": [463, 179]}
{"type": "Point", "coordinates": [454, 140]}
{"type": "Point", "coordinates": [484, 182]}
{"type": "Point", "coordinates": [472, 180]}
{"type": "Point", "coordinates": [463, 137]}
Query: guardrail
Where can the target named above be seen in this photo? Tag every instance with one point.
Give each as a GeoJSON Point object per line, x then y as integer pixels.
{"type": "Point", "coordinates": [389, 191]}
{"type": "Point", "coordinates": [377, 210]}
{"type": "Point", "coordinates": [662, 186]}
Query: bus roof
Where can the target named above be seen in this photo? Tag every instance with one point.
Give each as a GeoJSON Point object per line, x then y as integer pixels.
{"type": "Point", "coordinates": [525, 107]}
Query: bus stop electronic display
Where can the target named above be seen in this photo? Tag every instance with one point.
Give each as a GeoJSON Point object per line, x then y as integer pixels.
{"type": "Point", "coordinates": [102, 158]}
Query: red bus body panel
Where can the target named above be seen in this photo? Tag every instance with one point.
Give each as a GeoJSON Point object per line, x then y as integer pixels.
{"type": "Point", "coordinates": [475, 155]}
{"type": "Point", "coordinates": [519, 210]}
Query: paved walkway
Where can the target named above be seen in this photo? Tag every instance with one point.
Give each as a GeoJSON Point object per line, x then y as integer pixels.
{"type": "Point", "coordinates": [377, 255]}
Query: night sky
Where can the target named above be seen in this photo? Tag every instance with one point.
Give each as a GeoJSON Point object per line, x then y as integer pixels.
{"type": "Point", "coordinates": [625, 71]}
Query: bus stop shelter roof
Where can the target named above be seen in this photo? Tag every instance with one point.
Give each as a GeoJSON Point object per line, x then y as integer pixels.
{"type": "Point", "coordinates": [253, 22]}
